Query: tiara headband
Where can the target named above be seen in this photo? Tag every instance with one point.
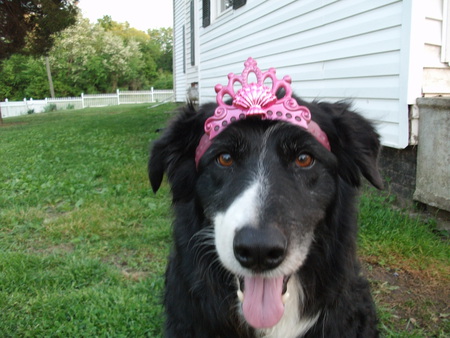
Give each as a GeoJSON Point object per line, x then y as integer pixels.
{"type": "Point", "coordinates": [256, 99]}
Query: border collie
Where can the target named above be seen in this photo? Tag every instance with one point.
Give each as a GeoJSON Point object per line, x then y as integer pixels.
{"type": "Point", "coordinates": [263, 190]}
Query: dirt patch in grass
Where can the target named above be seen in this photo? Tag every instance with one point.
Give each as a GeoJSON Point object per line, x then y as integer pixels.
{"type": "Point", "coordinates": [10, 124]}
{"type": "Point", "coordinates": [410, 301]}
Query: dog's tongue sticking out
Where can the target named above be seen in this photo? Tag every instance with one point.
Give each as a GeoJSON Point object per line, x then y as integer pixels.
{"type": "Point", "coordinates": [262, 306]}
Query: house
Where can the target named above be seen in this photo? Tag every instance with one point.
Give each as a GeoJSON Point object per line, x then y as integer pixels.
{"type": "Point", "coordinates": [382, 54]}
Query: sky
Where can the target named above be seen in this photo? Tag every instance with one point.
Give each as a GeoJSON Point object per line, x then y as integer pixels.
{"type": "Point", "coordinates": [141, 14]}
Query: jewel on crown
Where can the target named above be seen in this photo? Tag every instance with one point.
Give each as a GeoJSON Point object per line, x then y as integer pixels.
{"type": "Point", "coordinates": [255, 99]}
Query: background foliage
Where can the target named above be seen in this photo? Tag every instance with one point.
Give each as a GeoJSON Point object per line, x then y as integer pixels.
{"type": "Point", "coordinates": [92, 58]}
{"type": "Point", "coordinates": [27, 26]}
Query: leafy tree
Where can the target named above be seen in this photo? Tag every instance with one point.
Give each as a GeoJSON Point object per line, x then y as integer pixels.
{"type": "Point", "coordinates": [22, 76]}
{"type": "Point", "coordinates": [164, 81]}
{"type": "Point", "coordinates": [123, 30]}
{"type": "Point", "coordinates": [70, 57]}
{"type": "Point", "coordinates": [150, 55]}
{"type": "Point", "coordinates": [92, 58]}
{"type": "Point", "coordinates": [95, 60]}
{"type": "Point", "coordinates": [163, 40]}
{"type": "Point", "coordinates": [118, 57]}
{"type": "Point", "coordinates": [27, 26]}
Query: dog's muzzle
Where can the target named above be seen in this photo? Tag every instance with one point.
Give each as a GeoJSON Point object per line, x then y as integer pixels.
{"type": "Point", "coordinates": [263, 298]}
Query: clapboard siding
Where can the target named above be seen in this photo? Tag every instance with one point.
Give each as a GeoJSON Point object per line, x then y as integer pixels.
{"type": "Point", "coordinates": [381, 54]}
{"type": "Point", "coordinates": [179, 75]}
{"type": "Point", "coordinates": [436, 74]}
{"type": "Point", "coordinates": [332, 50]}
{"type": "Point", "coordinates": [184, 72]}
{"type": "Point", "coordinates": [311, 30]}
{"type": "Point", "coordinates": [191, 70]}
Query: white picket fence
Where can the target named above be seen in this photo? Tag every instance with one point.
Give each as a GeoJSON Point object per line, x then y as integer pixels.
{"type": "Point", "coordinates": [17, 108]}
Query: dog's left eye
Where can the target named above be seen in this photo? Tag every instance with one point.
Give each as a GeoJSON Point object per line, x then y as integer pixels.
{"type": "Point", "coordinates": [304, 161]}
{"type": "Point", "coordinates": [225, 160]}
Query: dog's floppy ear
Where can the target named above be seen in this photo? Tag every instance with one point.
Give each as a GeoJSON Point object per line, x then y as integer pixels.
{"type": "Point", "coordinates": [174, 153]}
{"type": "Point", "coordinates": [355, 143]}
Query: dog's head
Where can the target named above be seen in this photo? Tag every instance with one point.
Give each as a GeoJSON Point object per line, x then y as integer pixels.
{"type": "Point", "coordinates": [264, 187]}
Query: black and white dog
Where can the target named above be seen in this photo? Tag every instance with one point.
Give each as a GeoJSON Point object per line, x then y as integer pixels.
{"type": "Point", "coordinates": [265, 225]}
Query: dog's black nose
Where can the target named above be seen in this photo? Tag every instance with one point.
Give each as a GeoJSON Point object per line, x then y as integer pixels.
{"type": "Point", "coordinates": [259, 249]}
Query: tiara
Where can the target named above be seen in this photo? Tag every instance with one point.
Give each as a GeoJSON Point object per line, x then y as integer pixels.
{"type": "Point", "coordinates": [256, 99]}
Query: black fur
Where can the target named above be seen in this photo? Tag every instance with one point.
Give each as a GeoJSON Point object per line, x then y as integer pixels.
{"type": "Point", "coordinates": [200, 294]}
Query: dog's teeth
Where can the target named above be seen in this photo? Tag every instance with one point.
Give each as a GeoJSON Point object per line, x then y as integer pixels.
{"type": "Point", "coordinates": [240, 295]}
{"type": "Point", "coordinates": [285, 297]}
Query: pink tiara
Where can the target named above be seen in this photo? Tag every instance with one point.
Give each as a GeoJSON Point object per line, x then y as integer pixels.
{"type": "Point", "coordinates": [256, 99]}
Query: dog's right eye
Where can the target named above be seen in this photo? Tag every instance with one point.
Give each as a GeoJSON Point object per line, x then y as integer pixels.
{"type": "Point", "coordinates": [304, 161]}
{"type": "Point", "coordinates": [225, 160]}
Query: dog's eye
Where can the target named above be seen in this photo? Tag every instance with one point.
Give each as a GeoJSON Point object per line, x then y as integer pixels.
{"type": "Point", "coordinates": [304, 161]}
{"type": "Point", "coordinates": [225, 160]}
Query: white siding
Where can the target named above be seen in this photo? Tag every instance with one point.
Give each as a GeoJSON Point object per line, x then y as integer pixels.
{"type": "Point", "coordinates": [191, 70]}
{"type": "Point", "coordinates": [179, 75]}
{"type": "Point", "coordinates": [184, 72]}
{"type": "Point", "coordinates": [436, 74]}
{"type": "Point", "coordinates": [332, 50]}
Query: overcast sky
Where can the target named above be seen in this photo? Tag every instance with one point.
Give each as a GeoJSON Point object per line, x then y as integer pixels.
{"type": "Point", "coordinates": [141, 14]}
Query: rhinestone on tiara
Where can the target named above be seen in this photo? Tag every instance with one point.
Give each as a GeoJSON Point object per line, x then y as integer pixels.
{"type": "Point", "coordinates": [257, 99]}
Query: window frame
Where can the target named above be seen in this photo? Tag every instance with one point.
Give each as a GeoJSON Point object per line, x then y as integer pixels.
{"type": "Point", "coordinates": [212, 10]}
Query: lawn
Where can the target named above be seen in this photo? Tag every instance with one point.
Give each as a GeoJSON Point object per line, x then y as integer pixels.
{"type": "Point", "coordinates": [83, 240]}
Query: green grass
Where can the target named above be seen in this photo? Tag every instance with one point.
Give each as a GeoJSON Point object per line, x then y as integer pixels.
{"type": "Point", "coordinates": [394, 242]}
{"type": "Point", "coordinates": [391, 235]}
{"type": "Point", "coordinates": [83, 240]}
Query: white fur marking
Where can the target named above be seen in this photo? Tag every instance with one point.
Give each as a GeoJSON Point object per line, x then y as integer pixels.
{"type": "Point", "coordinates": [243, 211]}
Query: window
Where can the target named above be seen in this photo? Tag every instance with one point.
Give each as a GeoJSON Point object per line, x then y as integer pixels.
{"type": "Point", "coordinates": [224, 5]}
{"type": "Point", "coordinates": [214, 8]}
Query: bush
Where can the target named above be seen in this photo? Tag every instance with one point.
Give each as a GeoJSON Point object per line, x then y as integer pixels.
{"type": "Point", "coordinates": [50, 107]}
{"type": "Point", "coordinates": [164, 81]}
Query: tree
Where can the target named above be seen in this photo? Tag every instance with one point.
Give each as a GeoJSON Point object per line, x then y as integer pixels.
{"type": "Point", "coordinates": [122, 30]}
{"type": "Point", "coordinates": [119, 58]}
{"type": "Point", "coordinates": [92, 58]}
{"type": "Point", "coordinates": [23, 76]}
{"type": "Point", "coordinates": [163, 39]}
{"type": "Point", "coordinates": [27, 26]}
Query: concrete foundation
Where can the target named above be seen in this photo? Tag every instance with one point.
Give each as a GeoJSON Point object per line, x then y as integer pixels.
{"type": "Point", "coordinates": [433, 153]}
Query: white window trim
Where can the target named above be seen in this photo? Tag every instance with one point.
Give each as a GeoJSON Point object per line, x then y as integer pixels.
{"type": "Point", "coordinates": [216, 13]}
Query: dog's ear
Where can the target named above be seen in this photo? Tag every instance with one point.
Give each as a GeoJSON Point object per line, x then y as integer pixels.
{"type": "Point", "coordinates": [174, 153]}
{"type": "Point", "coordinates": [355, 143]}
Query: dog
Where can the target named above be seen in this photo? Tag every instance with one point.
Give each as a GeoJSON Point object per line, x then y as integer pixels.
{"type": "Point", "coordinates": [265, 219]}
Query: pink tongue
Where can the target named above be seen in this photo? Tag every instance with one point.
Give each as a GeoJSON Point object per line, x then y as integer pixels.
{"type": "Point", "coordinates": [262, 305]}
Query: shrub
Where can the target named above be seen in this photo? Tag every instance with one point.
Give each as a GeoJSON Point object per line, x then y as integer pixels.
{"type": "Point", "coordinates": [50, 107]}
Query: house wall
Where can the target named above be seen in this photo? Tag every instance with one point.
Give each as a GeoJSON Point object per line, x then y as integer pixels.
{"type": "Point", "coordinates": [436, 72]}
{"type": "Point", "coordinates": [184, 72]}
{"type": "Point", "coordinates": [333, 50]}
{"type": "Point", "coordinates": [179, 74]}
